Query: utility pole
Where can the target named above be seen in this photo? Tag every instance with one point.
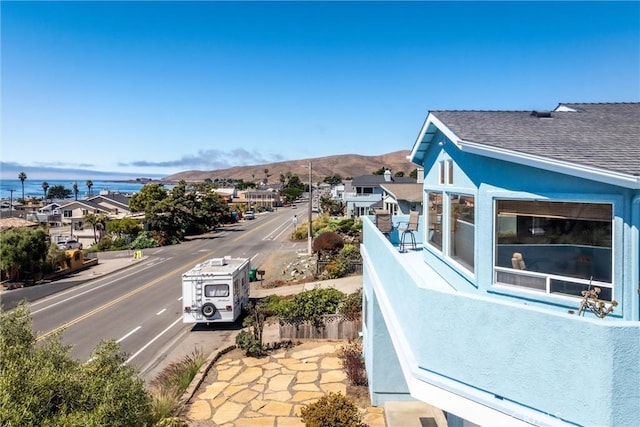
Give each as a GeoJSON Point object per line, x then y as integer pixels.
{"type": "Point", "coordinates": [11, 190]}
{"type": "Point", "coordinates": [309, 229]}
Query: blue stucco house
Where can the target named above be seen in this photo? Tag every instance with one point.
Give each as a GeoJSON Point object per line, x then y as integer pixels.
{"type": "Point", "coordinates": [522, 212]}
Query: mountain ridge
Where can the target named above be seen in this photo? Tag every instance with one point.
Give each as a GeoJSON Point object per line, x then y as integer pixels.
{"type": "Point", "coordinates": [345, 165]}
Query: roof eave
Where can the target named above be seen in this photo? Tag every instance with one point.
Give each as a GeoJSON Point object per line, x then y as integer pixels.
{"type": "Point", "coordinates": [432, 125]}
{"type": "Point", "coordinates": [555, 165]}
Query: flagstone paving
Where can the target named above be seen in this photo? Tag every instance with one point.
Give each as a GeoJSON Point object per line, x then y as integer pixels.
{"type": "Point", "coordinates": [271, 391]}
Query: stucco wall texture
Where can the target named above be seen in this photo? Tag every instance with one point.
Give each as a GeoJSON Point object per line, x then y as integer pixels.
{"type": "Point", "coordinates": [505, 354]}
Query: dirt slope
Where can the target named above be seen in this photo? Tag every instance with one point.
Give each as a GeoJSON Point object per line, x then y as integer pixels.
{"type": "Point", "coordinates": [346, 165]}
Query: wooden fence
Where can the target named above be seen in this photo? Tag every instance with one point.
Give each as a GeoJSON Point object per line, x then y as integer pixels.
{"type": "Point", "coordinates": [335, 328]}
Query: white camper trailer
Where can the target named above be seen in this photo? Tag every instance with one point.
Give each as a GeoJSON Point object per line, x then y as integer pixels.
{"type": "Point", "coordinates": [215, 290]}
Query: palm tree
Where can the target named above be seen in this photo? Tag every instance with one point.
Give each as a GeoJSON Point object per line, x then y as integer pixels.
{"type": "Point", "coordinates": [89, 185]}
{"type": "Point", "coordinates": [75, 190]}
{"type": "Point", "coordinates": [45, 187]}
{"type": "Point", "coordinates": [97, 221]}
{"type": "Point", "coordinates": [22, 177]}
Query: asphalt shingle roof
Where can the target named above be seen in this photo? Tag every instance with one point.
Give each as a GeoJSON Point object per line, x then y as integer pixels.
{"type": "Point", "coordinates": [412, 192]}
{"type": "Point", "coordinates": [373, 180]}
{"type": "Point", "coordinates": [604, 136]}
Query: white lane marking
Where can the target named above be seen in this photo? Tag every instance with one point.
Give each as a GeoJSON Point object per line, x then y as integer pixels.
{"type": "Point", "coordinates": [78, 295]}
{"type": "Point", "coordinates": [284, 227]}
{"type": "Point", "coordinates": [134, 355]}
{"type": "Point", "coordinates": [129, 334]}
{"type": "Point", "coordinates": [284, 230]}
{"type": "Point", "coordinates": [161, 311]}
{"type": "Point", "coordinates": [180, 299]}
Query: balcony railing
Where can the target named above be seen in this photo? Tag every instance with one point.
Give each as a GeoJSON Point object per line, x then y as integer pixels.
{"type": "Point", "coordinates": [550, 283]}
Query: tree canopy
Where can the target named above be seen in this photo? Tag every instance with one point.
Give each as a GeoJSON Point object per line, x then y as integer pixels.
{"type": "Point", "coordinates": [40, 384]}
{"type": "Point", "coordinates": [293, 188]}
{"type": "Point", "coordinates": [331, 206]}
{"type": "Point", "coordinates": [58, 192]}
{"type": "Point", "coordinates": [23, 249]}
{"type": "Point", "coordinates": [148, 196]}
{"type": "Point", "coordinates": [185, 209]}
{"type": "Point", "coordinates": [333, 180]}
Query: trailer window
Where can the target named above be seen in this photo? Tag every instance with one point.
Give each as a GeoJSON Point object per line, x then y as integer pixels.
{"type": "Point", "coordinates": [216, 291]}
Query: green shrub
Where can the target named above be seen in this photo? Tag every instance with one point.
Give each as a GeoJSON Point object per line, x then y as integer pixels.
{"type": "Point", "coordinates": [350, 252]}
{"type": "Point", "coordinates": [144, 240]}
{"type": "Point", "coordinates": [310, 305]}
{"type": "Point", "coordinates": [251, 346]}
{"type": "Point", "coordinates": [335, 269]}
{"type": "Point", "coordinates": [332, 410]}
{"type": "Point", "coordinates": [323, 224]}
{"type": "Point", "coordinates": [351, 307]}
{"type": "Point", "coordinates": [108, 243]}
{"type": "Point", "coordinates": [272, 305]}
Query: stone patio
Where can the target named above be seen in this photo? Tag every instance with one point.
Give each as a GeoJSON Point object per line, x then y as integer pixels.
{"type": "Point", "coordinates": [270, 391]}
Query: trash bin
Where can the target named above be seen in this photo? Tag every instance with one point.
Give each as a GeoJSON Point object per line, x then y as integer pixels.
{"type": "Point", "coordinates": [252, 274]}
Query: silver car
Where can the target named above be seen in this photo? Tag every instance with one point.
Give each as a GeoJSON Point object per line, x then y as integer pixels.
{"type": "Point", "coordinates": [70, 244]}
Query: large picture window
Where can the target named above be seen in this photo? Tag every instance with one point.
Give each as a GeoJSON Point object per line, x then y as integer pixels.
{"type": "Point", "coordinates": [554, 247]}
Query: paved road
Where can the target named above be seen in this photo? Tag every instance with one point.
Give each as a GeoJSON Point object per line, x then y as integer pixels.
{"type": "Point", "coordinates": [140, 306]}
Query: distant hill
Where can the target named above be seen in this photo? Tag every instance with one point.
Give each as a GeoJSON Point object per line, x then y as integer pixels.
{"type": "Point", "coordinates": [345, 165]}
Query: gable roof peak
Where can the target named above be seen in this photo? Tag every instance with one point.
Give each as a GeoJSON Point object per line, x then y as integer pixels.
{"type": "Point", "coordinates": [599, 137]}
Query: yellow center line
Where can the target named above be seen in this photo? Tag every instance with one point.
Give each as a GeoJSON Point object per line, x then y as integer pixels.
{"type": "Point", "coordinates": [119, 299]}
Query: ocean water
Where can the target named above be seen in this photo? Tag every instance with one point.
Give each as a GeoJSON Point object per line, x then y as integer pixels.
{"type": "Point", "coordinates": [33, 187]}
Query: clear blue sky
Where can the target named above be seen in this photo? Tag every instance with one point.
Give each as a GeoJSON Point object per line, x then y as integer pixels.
{"type": "Point", "coordinates": [155, 88]}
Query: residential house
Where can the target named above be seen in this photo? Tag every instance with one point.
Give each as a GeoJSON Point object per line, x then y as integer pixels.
{"type": "Point", "coordinates": [114, 205]}
{"type": "Point", "coordinates": [48, 214]}
{"type": "Point", "coordinates": [9, 223]}
{"type": "Point", "coordinates": [337, 191]}
{"type": "Point", "coordinates": [400, 199]}
{"type": "Point", "coordinates": [227, 194]}
{"type": "Point", "coordinates": [523, 212]}
{"type": "Point", "coordinates": [365, 190]}
{"type": "Point", "coordinates": [254, 198]}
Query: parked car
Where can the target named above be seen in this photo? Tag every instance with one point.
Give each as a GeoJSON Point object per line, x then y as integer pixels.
{"type": "Point", "coordinates": [69, 244]}
{"type": "Point", "coordinates": [249, 215]}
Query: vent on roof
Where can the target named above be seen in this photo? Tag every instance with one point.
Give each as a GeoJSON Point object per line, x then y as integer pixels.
{"type": "Point", "coordinates": [541, 114]}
